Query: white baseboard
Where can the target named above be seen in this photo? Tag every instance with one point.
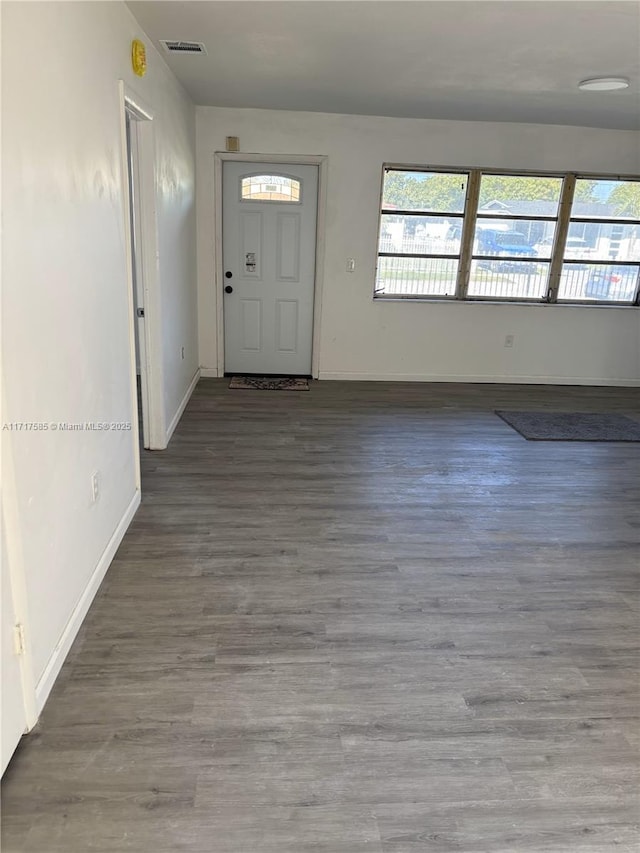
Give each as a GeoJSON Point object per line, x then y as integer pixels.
{"type": "Point", "coordinates": [60, 652]}
{"type": "Point", "coordinates": [209, 373]}
{"type": "Point", "coordinates": [183, 405]}
{"type": "Point", "coordinates": [498, 379]}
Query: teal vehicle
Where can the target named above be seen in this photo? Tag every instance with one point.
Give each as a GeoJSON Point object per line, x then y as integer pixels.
{"type": "Point", "coordinates": [513, 246]}
{"type": "Point", "coordinates": [504, 243]}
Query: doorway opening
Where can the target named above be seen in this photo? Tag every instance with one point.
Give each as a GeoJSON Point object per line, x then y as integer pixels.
{"type": "Point", "coordinates": [137, 274]}
{"type": "Point", "coordinates": [141, 239]}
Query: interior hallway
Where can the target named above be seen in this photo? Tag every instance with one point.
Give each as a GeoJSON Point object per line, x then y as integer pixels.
{"type": "Point", "coordinates": [370, 617]}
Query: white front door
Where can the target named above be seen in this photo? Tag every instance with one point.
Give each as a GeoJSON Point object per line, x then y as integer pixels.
{"type": "Point", "coordinates": [269, 240]}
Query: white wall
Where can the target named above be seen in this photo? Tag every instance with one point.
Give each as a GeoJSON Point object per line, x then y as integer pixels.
{"type": "Point", "coordinates": [65, 310]}
{"type": "Point", "coordinates": [363, 338]}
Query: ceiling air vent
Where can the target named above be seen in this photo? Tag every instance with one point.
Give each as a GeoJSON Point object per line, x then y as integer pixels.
{"type": "Point", "coordinates": [183, 46]}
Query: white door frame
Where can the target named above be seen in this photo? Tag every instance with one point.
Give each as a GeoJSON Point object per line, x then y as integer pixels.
{"type": "Point", "coordinates": [14, 567]}
{"type": "Point", "coordinates": [151, 351]}
{"type": "Point", "coordinates": [321, 162]}
{"type": "Point", "coordinates": [133, 174]}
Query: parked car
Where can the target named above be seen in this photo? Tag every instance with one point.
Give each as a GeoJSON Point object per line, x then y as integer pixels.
{"type": "Point", "coordinates": [491, 242]}
{"type": "Point", "coordinates": [575, 247]}
{"type": "Point", "coordinates": [509, 244]}
{"type": "Point", "coordinates": [601, 280]}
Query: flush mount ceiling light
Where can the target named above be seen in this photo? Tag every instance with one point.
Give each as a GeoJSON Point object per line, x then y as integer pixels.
{"type": "Point", "coordinates": [603, 84]}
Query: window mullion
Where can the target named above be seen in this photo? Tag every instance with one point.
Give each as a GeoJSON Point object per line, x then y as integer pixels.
{"type": "Point", "coordinates": [468, 232]}
{"type": "Point", "coordinates": [557, 254]}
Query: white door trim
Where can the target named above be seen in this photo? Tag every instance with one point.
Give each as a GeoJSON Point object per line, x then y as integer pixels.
{"type": "Point", "coordinates": [321, 161]}
{"type": "Point", "coordinates": [132, 103]}
{"type": "Point", "coordinates": [17, 575]}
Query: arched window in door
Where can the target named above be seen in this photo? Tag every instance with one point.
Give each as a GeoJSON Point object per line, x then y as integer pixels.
{"type": "Point", "coordinates": [280, 188]}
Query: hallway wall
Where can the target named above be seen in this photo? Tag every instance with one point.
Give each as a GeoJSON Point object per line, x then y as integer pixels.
{"type": "Point", "coordinates": [66, 322]}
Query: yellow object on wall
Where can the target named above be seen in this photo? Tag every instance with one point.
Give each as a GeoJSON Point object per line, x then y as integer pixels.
{"type": "Point", "coordinates": [138, 57]}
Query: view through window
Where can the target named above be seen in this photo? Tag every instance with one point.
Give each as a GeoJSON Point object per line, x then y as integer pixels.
{"type": "Point", "coordinates": [603, 243]}
{"type": "Point", "coordinates": [489, 235]}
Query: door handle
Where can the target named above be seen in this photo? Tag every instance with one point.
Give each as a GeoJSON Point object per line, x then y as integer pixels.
{"type": "Point", "coordinates": [228, 289]}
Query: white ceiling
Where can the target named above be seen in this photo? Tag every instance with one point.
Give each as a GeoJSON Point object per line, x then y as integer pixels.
{"type": "Point", "coordinates": [503, 60]}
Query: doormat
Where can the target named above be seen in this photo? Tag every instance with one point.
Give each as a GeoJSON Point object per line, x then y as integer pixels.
{"type": "Point", "coordinates": [572, 426]}
{"type": "Point", "coordinates": [269, 383]}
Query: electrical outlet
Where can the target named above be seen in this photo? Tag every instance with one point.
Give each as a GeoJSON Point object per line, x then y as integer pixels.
{"type": "Point", "coordinates": [95, 486]}
{"type": "Point", "coordinates": [182, 353]}
{"type": "Point", "coordinates": [508, 340]}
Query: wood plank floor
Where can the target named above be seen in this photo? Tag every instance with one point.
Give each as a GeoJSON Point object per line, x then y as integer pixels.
{"type": "Point", "coordinates": [370, 617]}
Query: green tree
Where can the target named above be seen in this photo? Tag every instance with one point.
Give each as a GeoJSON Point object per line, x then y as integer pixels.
{"type": "Point", "coordinates": [424, 191]}
{"type": "Point", "coordinates": [434, 191]}
{"type": "Point", "coordinates": [584, 191]}
{"type": "Point", "coordinates": [625, 198]}
{"type": "Point", "coordinates": [506, 188]}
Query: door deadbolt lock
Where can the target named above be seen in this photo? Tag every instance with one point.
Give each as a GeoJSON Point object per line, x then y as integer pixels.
{"type": "Point", "coordinates": [228, 274]}
{"type": "Point", "coordinates": [140, 312]}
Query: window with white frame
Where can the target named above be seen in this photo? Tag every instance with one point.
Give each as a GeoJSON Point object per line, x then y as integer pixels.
{"type": "Point", "coordinates": [604, 268]}
{"type": "Point", "coordinates": [420, 232]}
{"type": "Point", "coordinates": [516, 221]}
{"type": "Point", "coordinates": [487, 235]}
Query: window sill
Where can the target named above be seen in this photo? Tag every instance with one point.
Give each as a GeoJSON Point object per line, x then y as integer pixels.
{"type": "Point", "coordinates": [434, 300]}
